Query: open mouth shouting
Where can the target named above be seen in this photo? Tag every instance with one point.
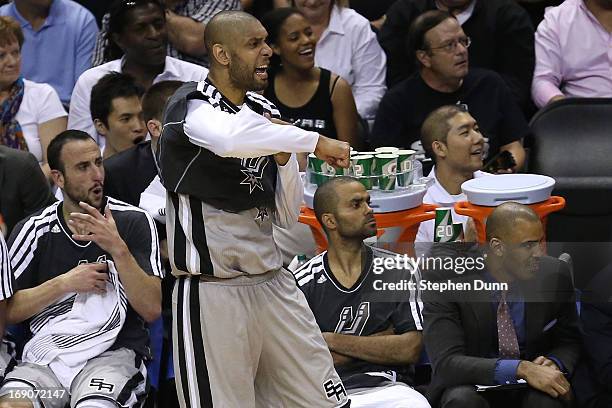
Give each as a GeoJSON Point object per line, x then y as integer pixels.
{"type": "Point", "coordinates": [262, 72]}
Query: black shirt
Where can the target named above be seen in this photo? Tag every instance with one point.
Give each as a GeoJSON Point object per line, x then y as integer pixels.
{"type": "Point", "coordinates": [372, 10]}
{"type": "Point", "coordinates": [129, 173]}
{"type": "Point", "coordinates": [502, 40]}
{"type": "Point", "coordinates": [42, 248]}
{"type": "Point", "coordinates": [362, 310]}
{"type": "Point", "coordinates": [317, 115]}
{"type": "Point", "coordinates": [404, 108]}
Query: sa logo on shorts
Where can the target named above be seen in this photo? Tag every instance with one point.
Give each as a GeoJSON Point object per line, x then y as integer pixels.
{"type": "Point", "coordinates": [100, 385]}
{"type": "Point", "coordinates": [334, 389]}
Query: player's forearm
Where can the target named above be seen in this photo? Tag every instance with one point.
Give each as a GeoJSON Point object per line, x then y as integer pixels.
{"type": "Point", "coordinates": [186, 34]}
{"type": "Point", "coordinates": [390, 349]}
{"type": "Point", "coordinates": [26, 303]}
{"type": "Point", "coordinates": [143, 291]}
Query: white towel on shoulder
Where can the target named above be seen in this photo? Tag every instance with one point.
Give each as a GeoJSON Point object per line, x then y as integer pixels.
{"type": "Point", "coordinates": [77, 328]}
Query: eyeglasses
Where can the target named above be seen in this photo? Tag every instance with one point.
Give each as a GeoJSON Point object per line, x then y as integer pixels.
{"type": "Point", "coordinates": [451, 46]}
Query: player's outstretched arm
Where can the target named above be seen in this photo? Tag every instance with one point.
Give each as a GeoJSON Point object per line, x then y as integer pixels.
{"type": "Point", "coordinates": [245, 134]}
{"type": "Point", "coordinates": [333, 151]}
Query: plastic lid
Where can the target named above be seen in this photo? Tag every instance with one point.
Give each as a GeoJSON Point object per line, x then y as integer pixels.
{"type": "Point", "coordinates": [496, 189]}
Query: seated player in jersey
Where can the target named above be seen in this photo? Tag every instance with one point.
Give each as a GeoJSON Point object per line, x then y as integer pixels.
{"type": "Point", "coordinates": [374, 335]}
{"type": "Point", "coordinates": [452, 138]}
{"type": "Point", "coordinates": [87, 281]}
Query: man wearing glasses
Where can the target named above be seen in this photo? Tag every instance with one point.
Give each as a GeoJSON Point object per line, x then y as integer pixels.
{"type": "Point", "coordinates": [441, 49]}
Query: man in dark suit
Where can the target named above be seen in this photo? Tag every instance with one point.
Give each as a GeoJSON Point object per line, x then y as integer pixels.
{"type": "Point", "coordinates": [593, 379]}
{"type": "Point", "coordinates": [23, 187]}
{"type": "Point", "coordinates": [527, 330]}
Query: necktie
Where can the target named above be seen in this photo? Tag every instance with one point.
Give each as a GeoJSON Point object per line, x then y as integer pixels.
{"type": "Point", "coordinates": [506, 335]}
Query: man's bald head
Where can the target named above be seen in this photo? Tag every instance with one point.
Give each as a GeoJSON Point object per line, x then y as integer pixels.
{"type": "Point", "coordinates": [505, 219]}
{"type": "Point", "coordinates": [225, 27]}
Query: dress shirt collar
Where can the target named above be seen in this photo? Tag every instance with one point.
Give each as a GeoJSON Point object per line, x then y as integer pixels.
{"type": "Point", "coordinates": [335, 21]}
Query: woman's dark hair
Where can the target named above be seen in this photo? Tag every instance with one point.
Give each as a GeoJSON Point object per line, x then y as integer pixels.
{"type": "Point", "coordinates": [119, 14]}
{"type": "Point", "coordinates": [272, 22]}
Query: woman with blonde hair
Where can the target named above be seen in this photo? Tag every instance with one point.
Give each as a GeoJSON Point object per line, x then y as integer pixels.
{"type": "Point", "coordinates": [347, 46]}
{"type": "Point", "coordinates": [31, 114]}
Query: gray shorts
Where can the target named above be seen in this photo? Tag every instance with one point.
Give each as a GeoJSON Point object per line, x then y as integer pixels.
{"type": "Point", "coordinates": [250, 342]}
{"type": "Point", "coordinates": [119, 376]}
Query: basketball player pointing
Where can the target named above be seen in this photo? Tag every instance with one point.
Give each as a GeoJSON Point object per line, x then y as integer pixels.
{"type": "Point", "coordinates": [243, 333]}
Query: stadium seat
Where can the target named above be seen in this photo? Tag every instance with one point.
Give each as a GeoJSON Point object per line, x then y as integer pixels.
{"type": "Point", "coordinates": [572, 142]}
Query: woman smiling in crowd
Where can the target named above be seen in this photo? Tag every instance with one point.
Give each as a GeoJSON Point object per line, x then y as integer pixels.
{"type": "Point", "coordinates": [312, 98]}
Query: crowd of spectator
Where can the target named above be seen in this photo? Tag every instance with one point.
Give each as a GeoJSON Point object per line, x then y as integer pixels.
{"type": "Point", "coordinates": [455, 80]}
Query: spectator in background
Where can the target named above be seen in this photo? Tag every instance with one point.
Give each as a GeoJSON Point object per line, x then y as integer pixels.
{"type": "Point", "coordinates": [130, 172]}
{"type": "Point", "coordinates": [501, 33]}
{"type": "Point", "coordinates": [117, 112]}
{"type": "Point", "coordinates": [452, 138]}
{"type": "Point", "coordinates": [59, 40]}
{"type": "Point", "coordinates": [309, 97]}
{"type": "Point", "coordinates": [23, 187]}
{"type": "Point", "coordinates": [573, 52]}
{"type": "Point", "coordinates": [347, 46]}
{"type": "Point", "coordinates": [441, 48]}
{"type": "Point", "coordinates": [185, 22]}
{"type": "Point", "coordinates": [139, 29]}
{"type": "Point", "coordinates": [31, 113]}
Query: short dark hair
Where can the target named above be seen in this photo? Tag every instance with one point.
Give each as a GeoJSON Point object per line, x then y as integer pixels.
{"type": "Point", "coordinates": [109, 87]}
{"type": "Point", "coordinates": [436, 126]}
{"type": "Point", "coordinates": [54, 150]}
{"type": "Point", "coordinates": [272, 22]}
{"type": "Point", "coordinates": [421, 25]}
{"type": "Point", "coordinates": [155, 98]}
{"type": "Point", "coordinates": [326, 198]}
{"type": "Point", "coordinates": [119, 18]}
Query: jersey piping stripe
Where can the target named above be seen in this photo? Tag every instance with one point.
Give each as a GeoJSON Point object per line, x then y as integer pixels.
{"type": "Point", "coordinates": [33, 229]}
